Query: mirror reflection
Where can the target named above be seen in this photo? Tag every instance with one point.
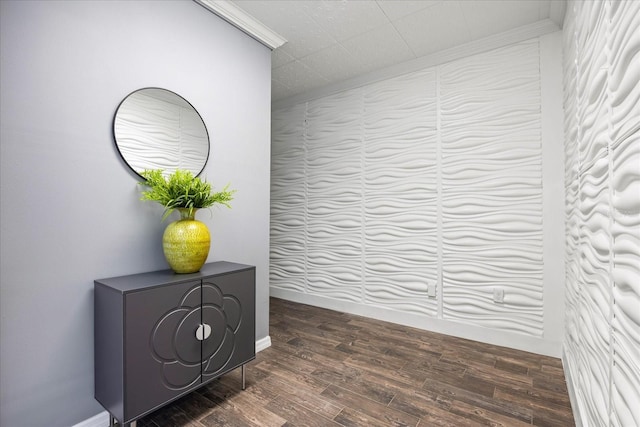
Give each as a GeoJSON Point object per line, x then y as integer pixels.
{"type": "Point", "coordinates": [158, 129]}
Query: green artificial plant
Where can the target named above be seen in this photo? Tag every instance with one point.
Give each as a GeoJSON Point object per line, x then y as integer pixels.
{"type": "Point", "coordinates": [182, 190]}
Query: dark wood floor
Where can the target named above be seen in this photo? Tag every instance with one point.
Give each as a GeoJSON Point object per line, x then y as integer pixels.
{"type": "Point", "coordinates": [326, 368]}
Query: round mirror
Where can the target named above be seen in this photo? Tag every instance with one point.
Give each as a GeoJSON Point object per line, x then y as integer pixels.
{"type": "Point", "coordinates": [158, 129]}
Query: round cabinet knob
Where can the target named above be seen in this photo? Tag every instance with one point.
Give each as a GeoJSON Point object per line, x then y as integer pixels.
{"type": "Point", "coordinates": [207, 331]}
{"type": "Point", "coordinates": [203, 332]}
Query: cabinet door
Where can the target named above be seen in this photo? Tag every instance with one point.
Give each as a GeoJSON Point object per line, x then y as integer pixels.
{"type": "Point", "coordinates": [228, 306]}
{"type": "Point", "coordinates": [162, 353]}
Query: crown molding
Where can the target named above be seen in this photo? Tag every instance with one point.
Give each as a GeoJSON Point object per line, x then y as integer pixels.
{"type": "Point", "coordinates": [557, 11]}
{"type": "Point", "coordinates": [495, 41]}
{"type": "Point", "coordinates": [244, 22]}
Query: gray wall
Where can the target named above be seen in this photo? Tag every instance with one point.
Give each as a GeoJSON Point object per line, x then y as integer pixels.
{"type": "Point", "coordinates": [69, 206]}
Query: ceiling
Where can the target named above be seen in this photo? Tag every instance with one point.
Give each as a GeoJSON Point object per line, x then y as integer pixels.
{"type": "Point", "coordinates": [329, 41]}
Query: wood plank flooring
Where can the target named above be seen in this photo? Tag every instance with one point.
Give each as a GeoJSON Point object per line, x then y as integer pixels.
{"type": "Point", "coordinates": [326, 368]}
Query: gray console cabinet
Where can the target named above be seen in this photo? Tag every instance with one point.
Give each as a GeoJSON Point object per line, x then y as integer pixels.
{"type": "Point", "coordinates": [161, 335]}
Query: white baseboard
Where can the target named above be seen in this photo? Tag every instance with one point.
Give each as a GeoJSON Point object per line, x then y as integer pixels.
{"type": "Point", "coordinates": [573, 398]}
{"type": "Point", "coordinates": [263, 343]}
{"type": "Point", "coordinates": [102, 419]}
{"type": "Point", "coordinates": [449, 327]}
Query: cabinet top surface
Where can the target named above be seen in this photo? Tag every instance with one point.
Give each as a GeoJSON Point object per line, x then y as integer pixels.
{"type": "Point", "coordinates": [154, 278]}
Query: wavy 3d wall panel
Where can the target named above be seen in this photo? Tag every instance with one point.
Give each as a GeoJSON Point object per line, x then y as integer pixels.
{"type": "Point", "coordinates": [287, 268]}
{"type": "Point", "coordinates": [333, 141]}
{"type": "Point", "coordinates": [420, 195]}
{"type": "Point", "coordinates": [491, 189]}
{"type": "Point", "coordinates": [572, 293]}
{"type": "Point", "coordinates": [602, 184]}
{"type": "Point", "coordinates": [400, 192]}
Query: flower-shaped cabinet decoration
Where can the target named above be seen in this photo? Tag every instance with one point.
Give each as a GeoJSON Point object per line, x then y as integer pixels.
{"type": "Point", "coordinates": [197, 337]}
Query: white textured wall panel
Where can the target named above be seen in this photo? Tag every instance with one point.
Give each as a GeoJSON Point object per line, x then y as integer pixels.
{"type": "Point", "coordinates": [624, 89]}
{"type": "Point", "coordinates": [400, 210]}
{"type": "Point", "coordinates": [429, 180]}
{"type": "Point", "coordinates": [334, 196]}
{"type": "Point", "coordinates": [491, 189]}
{"type": "Point", "coordinates": [288, 200]}
{"type": "Point", "coordinates": [625, 232]}
{"type": "Point", "coordinates": [594, 214]}
{"type": "Point", "coordinates": [602, 132]}
{"type": "Point", "coordinates": [624, 68]}
{"type": "Point", "coordinates": [572, 268]}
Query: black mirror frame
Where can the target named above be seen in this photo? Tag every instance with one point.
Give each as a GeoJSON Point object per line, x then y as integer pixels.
{"type": "Point", "coordinates": [115, 139]}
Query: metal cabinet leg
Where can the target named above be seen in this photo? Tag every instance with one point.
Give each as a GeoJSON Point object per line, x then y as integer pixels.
{"type": "Point", "coordinates": [243, 377]}
{"type": "Point", "coordinates": [113, 422]}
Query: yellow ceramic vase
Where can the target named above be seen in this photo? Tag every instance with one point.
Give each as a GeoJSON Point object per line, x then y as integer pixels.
{"type": "Point", "coordinates": [186, 243]}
